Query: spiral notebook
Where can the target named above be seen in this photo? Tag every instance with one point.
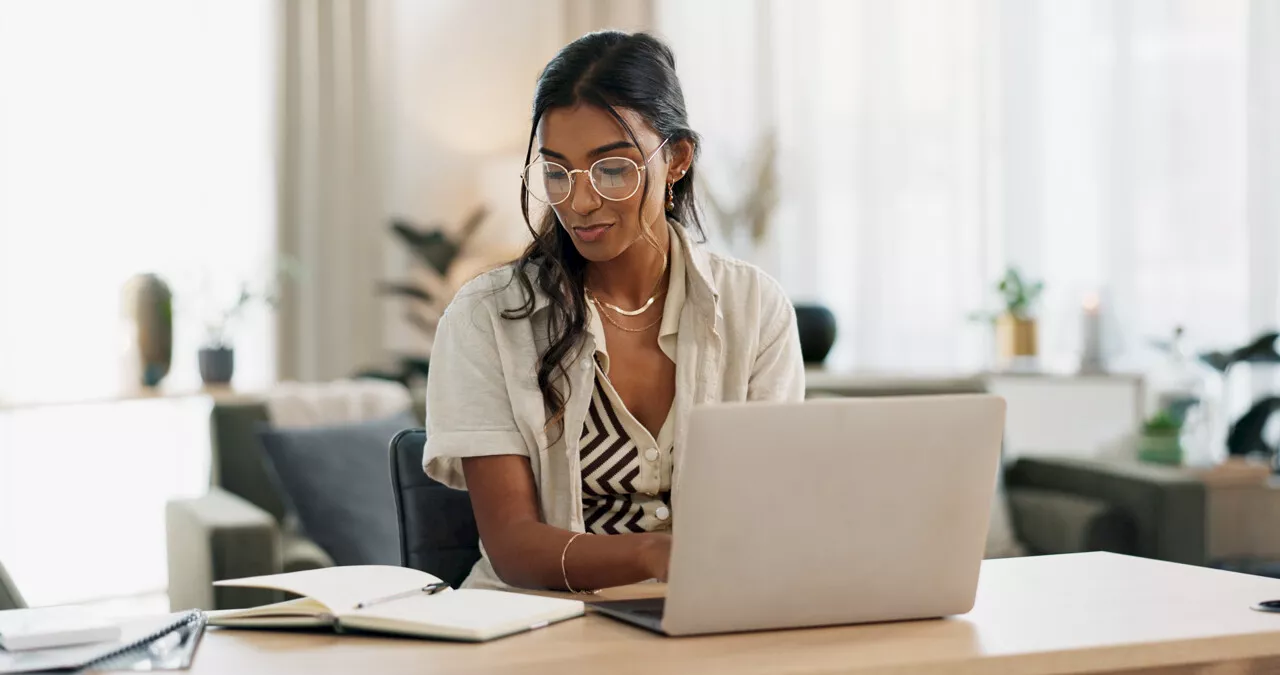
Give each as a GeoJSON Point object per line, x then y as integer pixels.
{"type": "Point", "coordinates": [157, 643]}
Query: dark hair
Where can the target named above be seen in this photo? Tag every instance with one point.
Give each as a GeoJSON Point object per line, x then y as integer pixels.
{"type": "Point", "coordinates": [609, 70]}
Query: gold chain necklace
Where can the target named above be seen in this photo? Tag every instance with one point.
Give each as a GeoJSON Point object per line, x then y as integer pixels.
{"type": "Point", "coordinates": [613, 321]}
{"type": "Point", "coordinates": [653, 295]}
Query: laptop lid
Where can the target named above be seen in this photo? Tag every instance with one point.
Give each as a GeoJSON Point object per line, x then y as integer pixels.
{"type": "Point", "coordinates": [831, 511]}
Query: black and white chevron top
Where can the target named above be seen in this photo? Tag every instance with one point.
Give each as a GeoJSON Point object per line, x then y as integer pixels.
{"type": "Point", "coordinates": [626, 482]}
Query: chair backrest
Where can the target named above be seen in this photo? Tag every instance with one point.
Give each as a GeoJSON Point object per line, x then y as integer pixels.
{"type": "Point", "coordinates": [438, 531]}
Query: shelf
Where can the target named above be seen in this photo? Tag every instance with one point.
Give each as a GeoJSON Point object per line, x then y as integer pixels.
{"type": "Point", "coordinates": [107, 397]}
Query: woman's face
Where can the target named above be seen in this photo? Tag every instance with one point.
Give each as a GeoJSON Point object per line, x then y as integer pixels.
{"type": "Point", "coordinates": [578, 137]}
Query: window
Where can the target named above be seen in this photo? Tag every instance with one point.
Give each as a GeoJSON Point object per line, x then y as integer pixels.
{"type": "Point", "coordinates": [135, 136]}
{"type": "Point", "coordinates": [139, 140]}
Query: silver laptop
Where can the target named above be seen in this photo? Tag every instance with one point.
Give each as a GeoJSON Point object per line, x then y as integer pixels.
{"type": "Point", "coordinates": [831, 511]}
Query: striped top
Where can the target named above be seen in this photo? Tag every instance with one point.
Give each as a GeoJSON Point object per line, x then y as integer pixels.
{"type": "Point", "coordinates": [624, 490]}
{"type": "Point", "coordinates": [626, 471]}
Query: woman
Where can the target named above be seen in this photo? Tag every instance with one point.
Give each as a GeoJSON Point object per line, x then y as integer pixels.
{"type": "Point", "coordinates": [561, 385]}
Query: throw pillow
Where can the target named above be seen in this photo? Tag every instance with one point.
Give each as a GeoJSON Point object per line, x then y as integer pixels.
{"type": "Point", "coordinates": [339, 482]}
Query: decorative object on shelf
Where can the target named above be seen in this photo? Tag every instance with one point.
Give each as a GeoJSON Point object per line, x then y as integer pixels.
{"type": "Point", "coordinates": [1247, 437]}
{"type": "Point", "coordinates": [1161, 440]}
{"type": "Point", "coordinates": [745, 223]}
{"type": "Point", "coordinates": [148, 305]}
{"type": "Point", "coordinates": [431, 286]}
{"type": "Point", "coordinates": [1015, 324]}
{"type": "Point", "coordinates": [817, 327]}
{"type": "Point", "coordinates": [1091, 357]}
{"type": "Point", "coordinates": [217, 365]}
{"type": "Point", "coordinates": [217, 353]}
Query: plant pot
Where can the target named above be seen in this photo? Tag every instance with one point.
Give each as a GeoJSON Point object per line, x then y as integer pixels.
{"type": "Point", "coordinates": [1015, 336]}
{"type": "Point", "coordinates": [217, 365]}
{"type": "Point", "coordinates": [1160, 448]}
{"type": "Point", "coordinates": [817, 327]}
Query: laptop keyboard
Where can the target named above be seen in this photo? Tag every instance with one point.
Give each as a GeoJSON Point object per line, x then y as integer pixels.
{"type": "Point", "coordinates": [649, 607]}
{"type": "Point", "coordinates": [655, 612]}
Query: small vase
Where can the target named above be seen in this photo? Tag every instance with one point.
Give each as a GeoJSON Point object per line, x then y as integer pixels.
{"type": "Point", "coordinates": [1015, 336]}
{"type": "Point", "coordinates": [817, 327]}
{"type": "Point", "coordinates": [148, 303]}
{"type": "Point", "coordinates": [217, 365]}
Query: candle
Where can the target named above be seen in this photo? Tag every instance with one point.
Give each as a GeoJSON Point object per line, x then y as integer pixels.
{"type": "Point", "coordinates": [1091, 323]}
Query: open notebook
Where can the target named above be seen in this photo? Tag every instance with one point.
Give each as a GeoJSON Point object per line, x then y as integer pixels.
{"type": "Point", "coordinates": [399, 600]}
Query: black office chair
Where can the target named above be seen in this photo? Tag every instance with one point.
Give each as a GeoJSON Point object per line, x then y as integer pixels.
{"type": "Point", "coordinates": [438, 531]}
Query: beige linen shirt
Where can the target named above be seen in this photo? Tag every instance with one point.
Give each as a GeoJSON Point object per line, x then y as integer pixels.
{"type": "Point", "coordinates": [737, 341]}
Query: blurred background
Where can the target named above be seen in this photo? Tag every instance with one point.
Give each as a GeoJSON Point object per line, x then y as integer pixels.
{"type": "Point", "coordinates": [1075, 204]}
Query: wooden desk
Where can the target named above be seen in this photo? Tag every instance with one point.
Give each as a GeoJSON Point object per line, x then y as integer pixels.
{"type": "Point", "coordinates": [1091, 612]}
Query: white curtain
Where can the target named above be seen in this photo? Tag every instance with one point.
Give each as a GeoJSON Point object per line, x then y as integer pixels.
{"type": "Point", "coordinates": [585, 16]}
{"type": "Point", "coordinates": [330, 165]}
{"type": "Point", "coordinates": [1120, 148]}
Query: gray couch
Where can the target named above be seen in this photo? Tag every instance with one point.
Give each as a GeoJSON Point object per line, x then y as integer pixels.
{"type": "Point", "coordinates": [1061, 505]}
{"type": "Point", "coordinates": [243, 526]}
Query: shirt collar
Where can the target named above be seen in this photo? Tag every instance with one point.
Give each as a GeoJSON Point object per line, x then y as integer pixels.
{"type": "Point", "coordinates": [674, 304]}
{"type": "Point", "coordinates": [701, 290]}
{"type": "Point", "coordinates": [672, 307]}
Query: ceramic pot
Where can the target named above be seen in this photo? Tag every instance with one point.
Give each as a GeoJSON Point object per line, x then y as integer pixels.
{"type": "Point", "coordinates": [217, 365]}
{"type": "Point", "coordinates": [817, 327]}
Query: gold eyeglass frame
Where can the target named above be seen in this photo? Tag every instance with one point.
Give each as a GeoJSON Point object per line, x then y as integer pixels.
{"type": "Point", "coordinates": [524, 176]}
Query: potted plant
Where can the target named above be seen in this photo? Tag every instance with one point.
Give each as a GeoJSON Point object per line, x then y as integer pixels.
{"type": "Point", "coordinates": [217, 353]}
{"type": "Point", "coordinates": [429, 288]}
{"type": "Point", "coordinates": [1015, 323]}
{"type": "Point", "coordinates": [1161, 440]}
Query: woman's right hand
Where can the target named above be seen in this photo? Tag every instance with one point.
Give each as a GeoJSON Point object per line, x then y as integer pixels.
{"type": "Point", "coordinates": [655, 554]}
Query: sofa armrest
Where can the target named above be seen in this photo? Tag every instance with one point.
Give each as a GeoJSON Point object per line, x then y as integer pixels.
{"type": "Point", "coordinates": [219, 536]}
{"type": "Point", "coordinates": [1166, 506]}
{"type": "Point", "coordinates": [10, 598]}
{"type": "Point", "coordinates": [1049, 522]}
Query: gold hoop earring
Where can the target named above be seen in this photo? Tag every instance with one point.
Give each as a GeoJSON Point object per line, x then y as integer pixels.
{"type": "Point", "coordinates": [671, 196]}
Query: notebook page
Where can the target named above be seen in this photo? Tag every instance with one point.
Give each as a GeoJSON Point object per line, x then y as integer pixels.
{"type": "Point", "coordinates": [341, 588]}
{"type": "Point", "coordinates": [298, 607]}
{"type": "Point", "coordinates": [471, 611]}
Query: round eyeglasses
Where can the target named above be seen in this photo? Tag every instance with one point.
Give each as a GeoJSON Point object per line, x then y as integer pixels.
{"type": "Point", "coordinates": [613, 178]}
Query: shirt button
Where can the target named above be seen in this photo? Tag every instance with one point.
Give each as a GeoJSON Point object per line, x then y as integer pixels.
{"type": "Point", "coordinates": [651, 454]}
{"type": "Point", "coordinates": [662, 513]}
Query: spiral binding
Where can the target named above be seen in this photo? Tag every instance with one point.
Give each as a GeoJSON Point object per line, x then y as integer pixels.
{"type": "Point", "coordinates": [192, 617]}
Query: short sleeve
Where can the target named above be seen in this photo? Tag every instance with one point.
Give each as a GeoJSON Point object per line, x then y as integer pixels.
{"type": "Point", "coordinates": [469, 411]}
{"type": "Point", "coordinates": [778, 372]}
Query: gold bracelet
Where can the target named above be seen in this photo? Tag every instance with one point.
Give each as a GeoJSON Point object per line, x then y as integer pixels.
{"type": "Point", "coordinates": [564, 572]}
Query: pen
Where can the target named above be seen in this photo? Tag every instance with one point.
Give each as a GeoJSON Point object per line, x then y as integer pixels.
{"type": "Point", "coordinates": [429, 589]}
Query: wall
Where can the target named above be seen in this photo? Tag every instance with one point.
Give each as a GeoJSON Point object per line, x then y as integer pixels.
{"type": "Point", "coordinates": [462, 78]}
{"type": "Point", "coordinates": [462, 74]}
